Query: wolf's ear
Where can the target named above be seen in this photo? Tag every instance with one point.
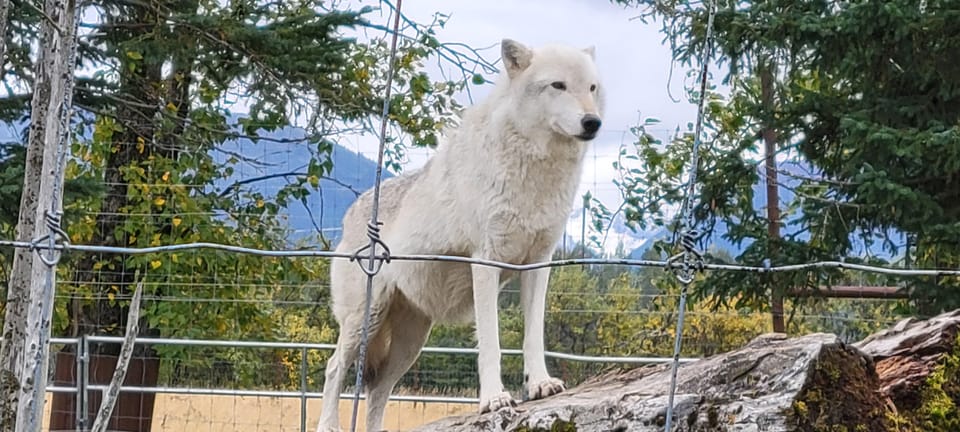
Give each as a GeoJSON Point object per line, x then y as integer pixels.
{"type": "Point", "coordinates": [591, 51]}
{"type": "Point", "coordinates": [516, 57]}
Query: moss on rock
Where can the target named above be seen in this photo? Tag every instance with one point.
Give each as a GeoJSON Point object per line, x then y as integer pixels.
{"type": "Point", "coordinates": [939, 398]}
{"type": "Point", "coordinates": [557, 426]}
{"type": "Point", "coordinates": [841, 396]}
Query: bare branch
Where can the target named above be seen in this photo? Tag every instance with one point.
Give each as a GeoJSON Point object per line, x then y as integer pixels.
{"type": "Point", "coordinates": [235, 186]}
{"type": "Point", "coordinates": [123, 362]}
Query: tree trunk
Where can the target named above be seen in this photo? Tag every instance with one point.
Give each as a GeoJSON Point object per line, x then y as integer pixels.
{"type": "Point", "coordinates": [27, 331]}
{"type": "Point", "coordinates": [134, 143]}
{"type": "Point", "coordinates": [4, 8]}
{"type": "Point", "coordinates": [773, 191]}
{"type": "Point", "coordinates": [142, 88]}
{"type": "Point", "coordinates": [15, 319]}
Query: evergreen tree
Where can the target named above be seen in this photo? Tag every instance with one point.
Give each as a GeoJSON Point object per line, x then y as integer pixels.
{"type": "Point", "coordinates": [864, 100]}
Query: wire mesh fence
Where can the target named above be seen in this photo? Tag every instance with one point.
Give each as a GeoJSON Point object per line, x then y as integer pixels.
{"type": "Point", "coordinates": [224, 228]}
{"type": "Point", "coordinates": [600, 311]}
{"type": "Point", "coordinates": [208, 385]}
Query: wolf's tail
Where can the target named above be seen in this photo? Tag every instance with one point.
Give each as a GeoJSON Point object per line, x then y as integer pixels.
{"type": "Point", "coordinates": [378, 348]}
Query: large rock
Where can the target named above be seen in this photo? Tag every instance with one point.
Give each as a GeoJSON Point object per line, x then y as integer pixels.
{"type": "Point", "coordinates": [918, 364]}
{"type": "Point", "coordinates": [773, 384]}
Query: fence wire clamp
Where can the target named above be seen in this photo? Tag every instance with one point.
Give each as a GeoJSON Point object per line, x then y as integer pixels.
{"type": "Point", "coordinates": [687, 263]}
{"type": "Point", "coordinates": [373, 233]}
{"type": "Point", "coordinates": [49, 246]}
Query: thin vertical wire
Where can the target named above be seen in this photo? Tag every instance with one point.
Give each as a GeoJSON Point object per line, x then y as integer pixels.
{"type": "Point", "coordinates": [373, 226]}
{"type": "Point", "coordinates": [687, 214]}
{"type": "Point", "coordinates": [687, 209]}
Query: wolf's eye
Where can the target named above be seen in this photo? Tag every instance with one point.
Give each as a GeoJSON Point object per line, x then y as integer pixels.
{"type": "Point", "coordinates": [559, 85]}
{"type": "Point", "coordinates": [593, 87]}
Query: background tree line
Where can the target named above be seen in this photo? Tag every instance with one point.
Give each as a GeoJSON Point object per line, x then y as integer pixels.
{"type": "Point", "coordinates": [861, 101]}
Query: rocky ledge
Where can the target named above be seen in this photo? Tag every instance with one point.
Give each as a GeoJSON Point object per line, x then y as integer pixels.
{"type": "Point", "coordinates": [902, 379]}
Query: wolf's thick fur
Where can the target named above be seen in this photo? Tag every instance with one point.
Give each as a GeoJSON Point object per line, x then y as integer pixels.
{"type": "Point", "coordinates": [500, 187]}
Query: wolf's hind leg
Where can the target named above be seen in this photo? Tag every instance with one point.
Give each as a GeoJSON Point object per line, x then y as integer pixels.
{"type": "Point", "coordinates": [408, 330]}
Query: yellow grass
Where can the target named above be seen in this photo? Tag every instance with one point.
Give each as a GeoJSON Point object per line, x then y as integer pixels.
{"type": "Point", "coordinates": [180, 413]}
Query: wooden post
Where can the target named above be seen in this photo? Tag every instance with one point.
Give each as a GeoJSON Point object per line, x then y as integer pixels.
{"type": "Point", "coordinates": [773, 192]}
{"type": "Point", "coordinates": [4, 8]}
{"type": "Point", "coordinates": [30, 295]}
{"type": "Point", "coordinates": [9, 365]}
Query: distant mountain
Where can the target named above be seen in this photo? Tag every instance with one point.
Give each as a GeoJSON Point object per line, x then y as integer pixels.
{"type": "Point", "coordinates": [716, 240]}
{"type": "Point", "coordinates": [617, 240]}
{"type": "Point", "coordinates": [323, 211]}
{"type": "Point", "coordinates": [354, 173]}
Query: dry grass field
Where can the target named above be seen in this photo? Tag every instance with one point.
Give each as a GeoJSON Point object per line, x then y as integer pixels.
{"type": "Point", "coordinates": [183, 413]}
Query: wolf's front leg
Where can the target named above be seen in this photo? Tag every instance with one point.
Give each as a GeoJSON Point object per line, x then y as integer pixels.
{"type": "Point", "coordinates": [533, 297]}
{"type": "Point", "coordinates": [486, 281]}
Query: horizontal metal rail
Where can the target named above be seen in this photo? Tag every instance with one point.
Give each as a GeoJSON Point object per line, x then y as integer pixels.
{"type": "Point", "coordinates": [258, 393]}
{"type": "Point", "coordinates": [330, 347]}
{"type": "Point", "coordinates": [490, 263]}
{"type": "Point", "coordinates": [315, 346]}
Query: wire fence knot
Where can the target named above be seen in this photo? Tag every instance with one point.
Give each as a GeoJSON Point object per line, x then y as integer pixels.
{"type": "Point", "coordinates": [50, 246]}
{"type": "Point", "coordinates": [373, 233]}
{"type": "Point", "coordinates": [687, 263]}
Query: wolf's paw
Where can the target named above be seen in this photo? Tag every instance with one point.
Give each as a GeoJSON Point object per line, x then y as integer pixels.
{"type": "Point", "coordinates": [544, 388]}
{"type": "Point", "coordinates": [497, 402]}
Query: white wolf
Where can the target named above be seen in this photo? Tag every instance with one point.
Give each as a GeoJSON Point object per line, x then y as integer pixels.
{"type": "Point", "coordinates": [500, 187]}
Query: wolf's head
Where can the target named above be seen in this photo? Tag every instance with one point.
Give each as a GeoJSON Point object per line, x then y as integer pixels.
{"type": "Point", "coordinates": [555, 87]}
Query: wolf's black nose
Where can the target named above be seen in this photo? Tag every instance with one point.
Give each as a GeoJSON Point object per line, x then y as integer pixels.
{"type": "Point", "coordinates": [590, 123]}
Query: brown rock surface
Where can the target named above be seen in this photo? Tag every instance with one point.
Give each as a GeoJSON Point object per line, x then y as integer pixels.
{"type": "Point", "coordinates": [908, 352]}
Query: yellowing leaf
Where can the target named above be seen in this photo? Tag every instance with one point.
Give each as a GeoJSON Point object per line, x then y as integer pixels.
{"type": "Point", "coordinates": [166, 176]}
{"type": "Point", "coordinates": [174, 258]}
{"type": "Point", "coordinates": [132, 239]}
{"type": "Point", "coordinates": [260, 203]}
{"type": "Point", "coordinates": [176, 221]}
{"type": "Point", "coordinates": [111, 296]}
{"type": "Point", "coordinates": [171, 106]}
{"type": "Point", "coordinates": [141, 145]}
{"type": "Point", "coordinates": [155, 264]}
{"type": "Point", "coordinates": [159, 201]}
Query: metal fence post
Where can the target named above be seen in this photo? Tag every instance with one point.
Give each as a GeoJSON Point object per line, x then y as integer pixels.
{"type": "Point", "coordinates": [83, 384]}
{"type": "Point", "coordinates": [303, 389]}
{"type": "Point", "coordinates": [78, 396]}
